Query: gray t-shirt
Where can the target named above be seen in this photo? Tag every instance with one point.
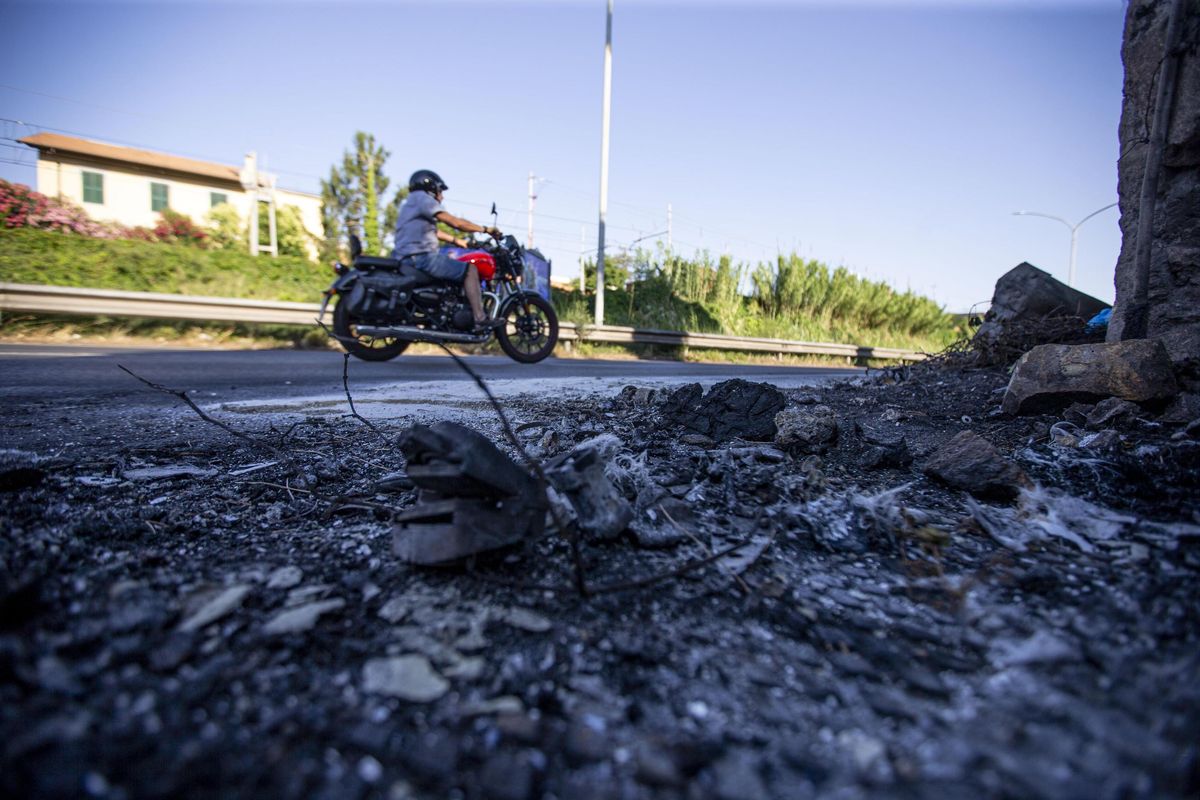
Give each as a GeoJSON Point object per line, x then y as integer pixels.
{"type": "Point", "coordinates": [416, 227]}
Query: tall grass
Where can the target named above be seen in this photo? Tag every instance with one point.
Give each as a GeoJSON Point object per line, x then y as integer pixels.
{"type": "Point", "coordinates": [789, 299]}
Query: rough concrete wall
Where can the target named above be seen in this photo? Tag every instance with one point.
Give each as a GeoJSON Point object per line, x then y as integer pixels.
{"type": "Point", "coordinates": [1174, 279]}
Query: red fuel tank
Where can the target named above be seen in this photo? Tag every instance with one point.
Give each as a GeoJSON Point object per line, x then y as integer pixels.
{"type": "Point", "coordinates": [483, 261]}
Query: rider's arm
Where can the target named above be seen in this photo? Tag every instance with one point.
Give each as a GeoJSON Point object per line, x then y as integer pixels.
{"type": "Point", "coordinates": [445, 237]}
{"type": "Point", "coordinates": [464, 225]}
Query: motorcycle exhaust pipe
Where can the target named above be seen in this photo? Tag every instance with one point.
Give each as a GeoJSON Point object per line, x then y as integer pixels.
{"type": "Point", "coordinates": [411, 334]}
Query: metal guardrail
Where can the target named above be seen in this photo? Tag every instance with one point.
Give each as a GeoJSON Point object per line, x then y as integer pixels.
{"type": "Point", "coordinates": [108, 302]}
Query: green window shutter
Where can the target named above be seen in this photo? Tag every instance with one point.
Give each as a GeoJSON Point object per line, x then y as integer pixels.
{"type": "Point", "coordinates": [93, 187]}
{"type": "Point", "coordinates": [216, 198]}
{"type": "Point", "coordinates": [158, 196]}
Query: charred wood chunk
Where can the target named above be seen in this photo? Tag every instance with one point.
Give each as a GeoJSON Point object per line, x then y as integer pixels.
{"type": "Point", "coordinates": [447, 530]}
{"type": "Point", "coordinates": [731, 409]}
{"type": "Point", "coordinates": [456, 461]}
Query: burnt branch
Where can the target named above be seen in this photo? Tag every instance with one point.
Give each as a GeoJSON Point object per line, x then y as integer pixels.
{"type": "Point", "coordinates": [200, 412]}
{"type": "Point", "coordinates": [353, 411]}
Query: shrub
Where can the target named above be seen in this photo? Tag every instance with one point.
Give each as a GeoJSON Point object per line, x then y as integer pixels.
{"type": "Point", "coordinates": [21, 207]}
{"type": "Point", "coordinates": [226, 230]}
{"type": "Point", "coordinates": [176, 228]}
{"type": "Point", "coordinates": [58, 259]}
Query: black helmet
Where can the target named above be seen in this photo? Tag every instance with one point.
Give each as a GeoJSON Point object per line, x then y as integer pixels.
{"type": "Point", "coordinates": [426, 180]}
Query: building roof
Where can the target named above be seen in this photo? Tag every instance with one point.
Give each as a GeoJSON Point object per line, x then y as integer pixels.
{"type": "Point", "coordinates": [55, 142]}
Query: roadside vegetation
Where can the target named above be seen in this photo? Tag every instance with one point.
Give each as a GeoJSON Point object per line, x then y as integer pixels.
{"type": "Point", "coordinates": [28, 255]}
{"type": "Point", "coordinates": [791, 298]}
{"type": "Point", "coordinates": [49, 241]}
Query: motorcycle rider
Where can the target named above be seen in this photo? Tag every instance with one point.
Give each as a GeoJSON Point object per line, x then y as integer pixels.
{"type": "Point", "coordinates": [417, 237]}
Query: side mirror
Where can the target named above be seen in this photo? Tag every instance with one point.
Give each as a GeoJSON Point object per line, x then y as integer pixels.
{"type": "Point", "coordinates": [355, 248]}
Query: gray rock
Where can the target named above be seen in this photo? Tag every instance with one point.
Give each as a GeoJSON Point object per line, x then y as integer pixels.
{"type": "Point", "coordinates": [1112, 412]}
{"type": "Point", "coordinates": [1173, 290]}
{"type": "Point", "coordinates": [1182, 410]}
{"type": "Point", "coordinates": [285, 578]}
{"type": "Point", "coordinates": [212, 610]}
{"type": "Point", "coordinates": [395, 610]}
{"type": "Point", "coordinates": [301, 618]}
{"type": "Point", "coordinates": [655, 766]}
{"type": "Point", "coordinates": [507, 776]}
{"type": "Point", "coordinates": [167, 471]}
{"type": "Point", "coordinates": [526, 620]}
{"type": "Point", "coordinates": [410, 678]}
{"type": "Point", "coordinates": [1055, 375]}
{"type": "Point", "coordinates": [586, 740]}
{"type": "Point", "coordinates": [970, 462]}
{"type": "Point", "coordinates": [1025, 296]}
{"type": "Point", "coordinates": [1042, 647]}
{"type": "Point", "coordinates": [505, 704]}
{"type": "Point", "coordinates": [812, 429]}
{"type": "Point", "coordinates": [470, 668]}
{"type": "Point", "coordinates": [737, 776]}
{"type": "Point", "coordinates": [696, 440]}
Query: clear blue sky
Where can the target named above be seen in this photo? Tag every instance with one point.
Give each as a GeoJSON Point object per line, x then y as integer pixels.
{"type": "Point", "coordinates": [892, 138]}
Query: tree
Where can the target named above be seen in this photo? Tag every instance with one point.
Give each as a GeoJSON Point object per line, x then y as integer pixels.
{"type": "Point", "coordinates": [291, 236]}
{"type": "Point", "coordinates": [351, 198]}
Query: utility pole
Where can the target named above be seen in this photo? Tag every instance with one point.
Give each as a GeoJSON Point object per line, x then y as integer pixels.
{"type": "Point", "coordinates": [604, 124]}
{"type": "Point", "coordinates": [532, 200]}
{"type": "Point", "coordinates": [582, 245]}
{"type": "Point", "coordinates": [249, 178]}
{"type": "Point", "coordinates": [668, 228]}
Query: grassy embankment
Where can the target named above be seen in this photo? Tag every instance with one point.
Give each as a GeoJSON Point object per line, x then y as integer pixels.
{"type": "Point", "coordinates": [792, 299]}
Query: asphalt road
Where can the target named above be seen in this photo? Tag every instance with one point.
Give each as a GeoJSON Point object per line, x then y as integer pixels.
{"type": "Point", "coordinates": [89, 375]}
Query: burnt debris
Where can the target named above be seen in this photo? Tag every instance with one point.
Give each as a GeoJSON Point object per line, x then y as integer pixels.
{"type": "Point", "coordinates": [474, 498]}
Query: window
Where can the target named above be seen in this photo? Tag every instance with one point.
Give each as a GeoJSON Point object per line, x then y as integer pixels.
{"type": "Point", "coordinates": [93, 187]}
{"type": "Point", "coordinates": [158, 196]}
{"type": "Point", "coordinates": [216, 198]}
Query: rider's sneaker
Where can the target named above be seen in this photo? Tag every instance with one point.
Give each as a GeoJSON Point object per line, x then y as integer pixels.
{"type": "Point", "coordinates": [488, 325]}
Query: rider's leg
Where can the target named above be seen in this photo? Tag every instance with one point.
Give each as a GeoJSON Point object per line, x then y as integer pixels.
{"type": "Point", "coordinates": [474, 293]}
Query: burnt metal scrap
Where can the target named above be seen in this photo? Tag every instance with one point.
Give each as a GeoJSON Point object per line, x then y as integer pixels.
{"type": "Point", "coordinates": [474, 498]}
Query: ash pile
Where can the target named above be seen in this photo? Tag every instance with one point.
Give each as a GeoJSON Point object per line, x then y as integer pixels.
{"type": "Point", "coordinates": [937, 580]}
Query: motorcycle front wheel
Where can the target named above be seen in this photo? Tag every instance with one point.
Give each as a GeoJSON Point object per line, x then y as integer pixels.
{"type": "Point", "coordinates": [530, 329]}
{"type": "Point", "coordinates": [368, 348]}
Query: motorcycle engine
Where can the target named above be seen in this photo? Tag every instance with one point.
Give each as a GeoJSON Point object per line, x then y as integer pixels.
{"type": "Point", "coordinates": [463, 319]}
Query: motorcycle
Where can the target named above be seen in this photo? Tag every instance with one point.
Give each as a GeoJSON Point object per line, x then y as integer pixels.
{"type": "Point", "coordinates": [384, 304]}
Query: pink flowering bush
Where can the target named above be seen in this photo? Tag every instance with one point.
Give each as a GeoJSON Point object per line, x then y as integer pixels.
{"type": "Point", "coordinates": [177, 228]}
{"type": "Point", "coordinates": [21, 207]}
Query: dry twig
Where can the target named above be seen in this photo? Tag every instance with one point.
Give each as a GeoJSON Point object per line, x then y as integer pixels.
{"type": "Point", "coordinates": [183, 396]}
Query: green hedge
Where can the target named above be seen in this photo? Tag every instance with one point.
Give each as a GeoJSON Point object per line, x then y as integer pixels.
{"type": "Point", "coordinates": [65, 259]}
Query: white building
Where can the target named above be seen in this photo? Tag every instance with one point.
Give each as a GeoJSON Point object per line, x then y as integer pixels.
{"type": "Point", "coordinates": [130, 186]}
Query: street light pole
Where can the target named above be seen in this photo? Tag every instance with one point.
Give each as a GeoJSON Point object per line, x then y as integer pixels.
{"type": "Point", "coordinates": [1074, 229]}
{"type": "Point", "coordinates": [605, 115]}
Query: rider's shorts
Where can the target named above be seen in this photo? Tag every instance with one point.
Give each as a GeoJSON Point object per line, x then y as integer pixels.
{"type": "Point", "coordinates": [440, 266]}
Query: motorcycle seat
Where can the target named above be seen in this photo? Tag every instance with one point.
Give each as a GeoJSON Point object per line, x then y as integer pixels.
{"type": "Point", "coordinates": [418, 277]}
{"type": "Point", "coordinates": [377, 262]}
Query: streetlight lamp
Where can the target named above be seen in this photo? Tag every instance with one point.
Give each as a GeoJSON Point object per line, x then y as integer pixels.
{"type": "Point", "coordinates": [1074, 233]}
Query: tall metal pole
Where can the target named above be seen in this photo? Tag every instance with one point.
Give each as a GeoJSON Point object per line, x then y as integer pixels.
{"type": "Point", "coordinates": [605, 117]}
{"type": "Point", "coordinates": [668, 228]}
{"type": "Point", "coordinates": [532, 197]}
{"type": "Point", "coordinates": [582, 245]}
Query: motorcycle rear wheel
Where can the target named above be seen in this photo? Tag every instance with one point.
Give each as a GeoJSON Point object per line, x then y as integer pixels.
{"type": "Point", "coordinates": [368, 348]}
{"type": "Point", "coordinates": [530, 329]}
